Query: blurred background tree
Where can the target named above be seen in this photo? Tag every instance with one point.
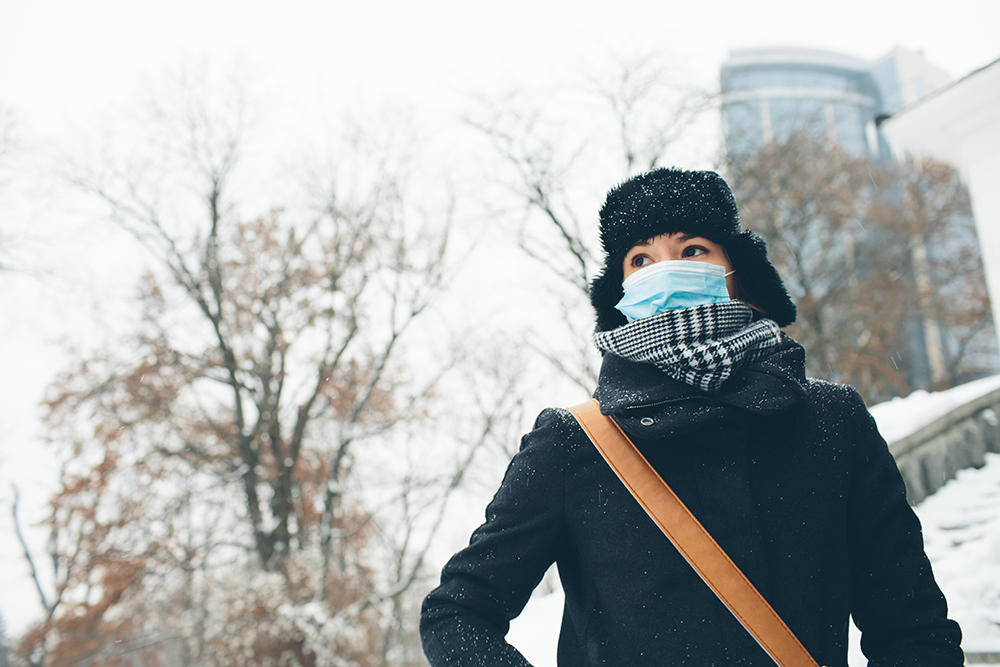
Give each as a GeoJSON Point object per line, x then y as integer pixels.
{"type": "Point", "coordinates": [254, 472]}
{"type": "Point", "coordinates": [5, 652]}
{"type": "Point", "coordinates": [551, 164]}
{"type": "Point", "coordinates": [881, 260]}
{"type": "Point", "coordinates": [932, 218]}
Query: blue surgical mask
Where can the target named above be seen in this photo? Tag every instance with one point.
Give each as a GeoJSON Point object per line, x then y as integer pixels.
{"type": "Point", "coordinates": [672, 284]}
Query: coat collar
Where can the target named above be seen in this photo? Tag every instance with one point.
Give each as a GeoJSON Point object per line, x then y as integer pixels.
{"type": "Point", "coordinates": [768, 386]}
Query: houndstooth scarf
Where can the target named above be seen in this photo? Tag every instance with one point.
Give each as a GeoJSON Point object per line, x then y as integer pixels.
{"type": "Point", "coordinates": [701, 345]}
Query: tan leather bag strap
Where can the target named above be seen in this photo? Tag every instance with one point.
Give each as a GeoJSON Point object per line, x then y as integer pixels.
{"type": "Point", "coordinates": [707, 558]}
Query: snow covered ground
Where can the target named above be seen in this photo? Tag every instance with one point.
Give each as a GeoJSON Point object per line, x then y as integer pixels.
{"type": "Point", "coordinates": [962, 536]}
{"type": "Point", "coordinates": [961, 523]}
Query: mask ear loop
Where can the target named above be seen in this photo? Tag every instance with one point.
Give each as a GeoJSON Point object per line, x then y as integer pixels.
{"type": "Point", "coordinates": [746, 302]}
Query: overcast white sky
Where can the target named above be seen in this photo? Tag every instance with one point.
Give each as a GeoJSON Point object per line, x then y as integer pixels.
{"type": "Point", "coordinates": [64, 57]}
{"type": "Point", "coordinates": [65, 65]}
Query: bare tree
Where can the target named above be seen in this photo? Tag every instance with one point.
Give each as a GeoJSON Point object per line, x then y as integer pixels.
{"type": "Point", "coordinates": [5, 660]}
{"type": "Point", "coordinates": [627, 120]}
{"type": "Point", "coordinates": [865, 251]}
{"type": "Point", "coordinates": [809, 200]}
{"type": "Point", "coordinates": [423, 501]}
{"type": "Point", "coordinates": [211, 505]}
{"type": "Point", "coordinates": [6, 653]}
{"type": "Point", "coordinates": [927, 205]}
{"type": "Point", "coordinates": [652, 111]}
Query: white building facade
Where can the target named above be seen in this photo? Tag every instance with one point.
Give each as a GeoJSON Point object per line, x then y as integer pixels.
{"type": "Point", "coordinates": [960, 124]}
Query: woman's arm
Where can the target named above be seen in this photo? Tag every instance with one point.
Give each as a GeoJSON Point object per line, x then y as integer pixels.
{"type": "Point", "coordinates": [897, 605]}
{"type": "Point", "coordinates": [465, 619]}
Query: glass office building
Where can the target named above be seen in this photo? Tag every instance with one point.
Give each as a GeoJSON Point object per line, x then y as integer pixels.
{"type": "Point", "coordinates": [771, 93]}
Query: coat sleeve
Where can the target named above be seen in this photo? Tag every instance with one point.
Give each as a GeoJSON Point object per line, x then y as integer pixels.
{"type": "Point", "coordinates": [897, 605]}
{"type": "Point", "coordinates": [465, 619]}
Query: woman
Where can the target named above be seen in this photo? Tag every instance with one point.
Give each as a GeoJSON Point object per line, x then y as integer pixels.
{"type": "Point", "coordinates": [788, 474]}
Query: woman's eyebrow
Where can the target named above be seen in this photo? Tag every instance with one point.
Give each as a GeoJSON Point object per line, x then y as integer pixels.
{"type": "Point", "coordinates": [688, 237]}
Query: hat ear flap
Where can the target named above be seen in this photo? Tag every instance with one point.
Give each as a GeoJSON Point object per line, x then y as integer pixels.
{"type": "Point", "coordinates": [605, 293]}
{"type": "Point", "coordinates": [758, 280]}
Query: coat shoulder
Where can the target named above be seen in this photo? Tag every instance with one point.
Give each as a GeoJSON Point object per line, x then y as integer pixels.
{"type": "Point", "coordinates": [556, 418]}
{"type": "Point", "coordinates": [841, 399]}
{"type": "Point", "coordinates": [837, 414]}
{"type": "Point", "coordinates": [557, 427]}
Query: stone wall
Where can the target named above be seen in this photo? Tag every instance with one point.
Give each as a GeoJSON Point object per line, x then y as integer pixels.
{"type": "Point", "coordinates": [932, 455]}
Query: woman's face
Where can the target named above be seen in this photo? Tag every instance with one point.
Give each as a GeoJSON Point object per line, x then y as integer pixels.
{"type": "Point", "coordinates": [679, 246]}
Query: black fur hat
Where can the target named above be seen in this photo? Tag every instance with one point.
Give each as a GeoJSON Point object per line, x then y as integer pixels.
{"type": "Point", "coordinates": [665, 201]}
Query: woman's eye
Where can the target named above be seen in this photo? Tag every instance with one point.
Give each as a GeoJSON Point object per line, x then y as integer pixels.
{"type": "Point", "coordinates": [641, 260]}
{"type": "Point", "coordinates": [693, 251]}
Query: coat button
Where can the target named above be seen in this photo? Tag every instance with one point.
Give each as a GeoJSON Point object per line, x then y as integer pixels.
{"type": "Point", "coordinates": [646, 421]}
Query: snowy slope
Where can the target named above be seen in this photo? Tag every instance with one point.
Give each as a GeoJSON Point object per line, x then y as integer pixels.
{"type": "Point", "coordinates": [961, 524]}
{"type": "Point", "coordinates": [962, 536]}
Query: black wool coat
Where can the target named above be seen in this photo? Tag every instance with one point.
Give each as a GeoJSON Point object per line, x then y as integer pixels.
{"type": "Point", "coordinates": [789, 475]}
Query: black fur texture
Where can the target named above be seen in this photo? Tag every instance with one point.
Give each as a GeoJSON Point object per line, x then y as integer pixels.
{"type": "Point", "coordinates": [666, 201]}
